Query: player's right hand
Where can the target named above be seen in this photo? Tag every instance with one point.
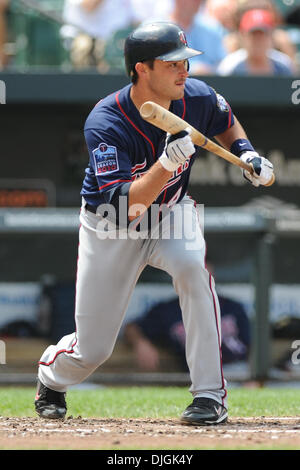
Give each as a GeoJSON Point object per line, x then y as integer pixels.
{"type": "Point", "coordinates": [178, 148]}
{"type": "Point", "coordinates": [263, 168]}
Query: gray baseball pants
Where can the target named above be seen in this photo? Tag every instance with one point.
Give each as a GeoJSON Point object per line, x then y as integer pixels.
{"type": "Point", "coordinates": [107, 272]}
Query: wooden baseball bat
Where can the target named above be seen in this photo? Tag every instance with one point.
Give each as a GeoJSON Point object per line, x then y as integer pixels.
{"type": "Point", "coordinates": [169, 122]}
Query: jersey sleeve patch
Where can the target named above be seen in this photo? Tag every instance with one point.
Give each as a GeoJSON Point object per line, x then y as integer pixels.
{"type": "Point", "coordinates": [222, 103]}
{"type": "Point", "coordinates": [106, 159]}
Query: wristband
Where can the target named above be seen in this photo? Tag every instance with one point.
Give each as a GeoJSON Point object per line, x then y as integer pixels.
{"type": "Point", "coordinates": [240, 146]}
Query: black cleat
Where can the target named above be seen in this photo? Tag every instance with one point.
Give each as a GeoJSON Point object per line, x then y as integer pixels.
{"type": "Point", "coordinates": [50, 404]}
{"type": "Point", "coordinates": [204, 411]}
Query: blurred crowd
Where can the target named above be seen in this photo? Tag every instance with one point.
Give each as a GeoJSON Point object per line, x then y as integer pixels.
{"type": "Point", "coordinates": [238, 37]}
{"type": "Point", "coordinates": [3, 32]}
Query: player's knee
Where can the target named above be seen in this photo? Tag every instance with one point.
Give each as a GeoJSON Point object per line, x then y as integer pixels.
{"type": "Point", "coordinates": [191, 274]}
{"type": "Point", "coordinates": [189, 267]}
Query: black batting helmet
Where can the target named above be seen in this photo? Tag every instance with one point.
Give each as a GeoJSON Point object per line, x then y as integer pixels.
{"type": "Point", "coordinates": [160, 40]}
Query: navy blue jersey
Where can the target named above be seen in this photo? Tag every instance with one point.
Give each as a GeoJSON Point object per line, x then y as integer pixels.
{"type": "Point", "coordinates": [122, 146]}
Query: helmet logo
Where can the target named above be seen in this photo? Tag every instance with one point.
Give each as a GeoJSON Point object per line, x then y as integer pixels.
{"type": "Point", "coordinates": [182, 38]}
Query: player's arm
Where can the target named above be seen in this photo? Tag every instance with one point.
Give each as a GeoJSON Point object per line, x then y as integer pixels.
{"type": "Point", "coordinates": [111, 165]}
{"type": "Point", "coordinates": [229, 133]}
{"type": "Point", "coordinates": [227, 138]}
{"type": "Point", "coordinates": [144, 191]}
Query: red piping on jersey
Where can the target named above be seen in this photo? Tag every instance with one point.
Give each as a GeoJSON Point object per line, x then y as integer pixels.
{"type": "Point", "coordinates": [184, 108]}
{"type": "Point", "coordinates": [229, 118]}
{"type": "Point", "coordinates": [113, 182]}
{"type": "Point", "coordinates": [167, 185]}
{"type": "Point", "coordinates": [138, 166]}
{"type": "Point", "coordinates": [132, 123]}
{"type": "Point", "coordinates": [219, 338]}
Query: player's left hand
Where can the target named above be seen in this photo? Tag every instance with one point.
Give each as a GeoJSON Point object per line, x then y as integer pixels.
{"type": "Point", "coordinates": [263, 168]}
{"type": "Point", "coordinates": [178, 148]}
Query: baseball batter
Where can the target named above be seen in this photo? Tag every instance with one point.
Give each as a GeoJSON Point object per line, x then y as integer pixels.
{"type": "Point", "coordinates": [135, 170]}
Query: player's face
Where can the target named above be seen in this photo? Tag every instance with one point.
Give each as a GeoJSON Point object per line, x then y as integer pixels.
{"type": "Point", "coordinates": [167, 79]}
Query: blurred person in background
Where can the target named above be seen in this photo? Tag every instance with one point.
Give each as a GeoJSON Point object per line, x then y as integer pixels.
{"type": "Point", "coordinates": [292, 25]}
{"type": "Point", "coordinates": [150, 10]}
{"type": "Point", "coordinates": [3, 32]}
{"type": "Point", "coordinates": [89, 24]}
{"type": "Point", "coordinates": [281, 39]}
{"type": "Point", "coordinates": [257, 55]}
{"type": "Point", "coordinates": [161, 328]}
{"type": "Point", "coordinates": [225, 15]}
{"type": "Point", "coordinates": [201, 34]}
{"type": "Point", "coordinates": [222, 12]}
{"type": "Point", "coordinates": [293, 16]}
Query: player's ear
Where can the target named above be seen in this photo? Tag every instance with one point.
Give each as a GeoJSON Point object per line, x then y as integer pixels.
{"type": "Point", "coordinates": [141, 68]}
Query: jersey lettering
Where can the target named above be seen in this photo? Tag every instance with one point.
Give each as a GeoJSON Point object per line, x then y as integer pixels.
{"type": "Point", "coordinates": [182, 167]}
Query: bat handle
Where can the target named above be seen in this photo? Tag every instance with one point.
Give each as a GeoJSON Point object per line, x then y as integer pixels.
{"type": "Point", "coordinates": [272, 180]}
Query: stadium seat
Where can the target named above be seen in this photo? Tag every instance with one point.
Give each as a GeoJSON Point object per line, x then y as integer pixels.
{"type": "Point", "coordinates": [36, 37]}
{"type": "Point", "coordinates": [113, 53]}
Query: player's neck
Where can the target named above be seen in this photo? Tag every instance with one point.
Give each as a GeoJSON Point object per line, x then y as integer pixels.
{"type": "Point", "coordinates": [139, 96]}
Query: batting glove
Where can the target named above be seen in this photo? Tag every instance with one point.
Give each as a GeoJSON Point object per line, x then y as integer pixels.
{"type": "Point", "coordinates": [178, 148]}
{"type": "Point", "coordinates": [263, 168]}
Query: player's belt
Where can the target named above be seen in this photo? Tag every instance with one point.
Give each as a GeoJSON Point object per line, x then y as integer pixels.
{"type": "Point", "coordinates": [90, 208]}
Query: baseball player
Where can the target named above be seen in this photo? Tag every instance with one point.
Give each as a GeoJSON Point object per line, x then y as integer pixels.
{"type": "Point", "coordinates": [136, 169]}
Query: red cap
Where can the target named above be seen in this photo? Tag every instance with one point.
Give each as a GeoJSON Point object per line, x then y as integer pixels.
{"type": "Point", "coordinates": [254, 20]}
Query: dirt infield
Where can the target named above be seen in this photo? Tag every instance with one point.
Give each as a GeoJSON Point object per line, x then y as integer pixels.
{"type": "Point", "coordinates": [92, 433]}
